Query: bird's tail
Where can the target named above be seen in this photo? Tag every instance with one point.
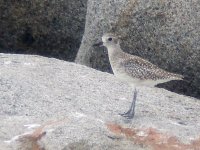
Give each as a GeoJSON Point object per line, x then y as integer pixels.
{"type": "Point", "coordinates": [177, 76]}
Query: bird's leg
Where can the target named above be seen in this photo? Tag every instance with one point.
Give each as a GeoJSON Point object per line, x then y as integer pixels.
{"type": "Point", "coordinates": [131, 112]}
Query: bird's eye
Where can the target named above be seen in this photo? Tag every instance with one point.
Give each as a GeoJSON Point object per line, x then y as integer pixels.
{"type": "Point", "coordinates": [109, 39]}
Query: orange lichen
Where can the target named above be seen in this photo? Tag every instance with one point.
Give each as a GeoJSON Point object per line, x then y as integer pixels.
{"type": "Point", "coordinates": [151, 137]}
{"type": "Point", "coordinates": [30, 141]}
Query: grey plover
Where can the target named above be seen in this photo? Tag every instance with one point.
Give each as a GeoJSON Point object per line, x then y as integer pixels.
{"type": "Point", "coordinates": [133, 69]}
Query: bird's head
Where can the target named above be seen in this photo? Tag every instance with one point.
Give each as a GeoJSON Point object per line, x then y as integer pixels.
{"type": "Point", "coordinates": [108, 39]}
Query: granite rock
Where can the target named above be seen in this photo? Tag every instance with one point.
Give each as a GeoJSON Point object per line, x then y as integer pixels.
{"type": "Point", "coordinates": [48, 104]}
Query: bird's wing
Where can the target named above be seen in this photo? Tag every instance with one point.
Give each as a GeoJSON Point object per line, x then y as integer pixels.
{"type": "Point", "coordinates": [143, 69]}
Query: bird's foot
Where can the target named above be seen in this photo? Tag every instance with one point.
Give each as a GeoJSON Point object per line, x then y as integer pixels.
{"type": "Point", "coordinates": [128, 115]}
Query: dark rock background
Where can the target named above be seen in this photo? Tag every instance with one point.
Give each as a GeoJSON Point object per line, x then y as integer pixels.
{"type": "Point", "coordinates": [48, 28]}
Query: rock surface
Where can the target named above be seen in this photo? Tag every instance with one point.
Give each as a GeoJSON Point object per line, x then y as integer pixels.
{"type": "Point", "coordinates": [52, 104]}
{"type": "Point", "coordinates": [49, 28]}
{"type": "Point", "coordinates": [167, 33]}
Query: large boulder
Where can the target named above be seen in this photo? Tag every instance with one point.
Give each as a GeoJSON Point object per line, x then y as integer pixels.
{"type": "Point", "coordinates": [167, 33]}
{"type": "Point", "coordinates": [49, 104]}
{"type": "Point", "coordinates": [49, 28]}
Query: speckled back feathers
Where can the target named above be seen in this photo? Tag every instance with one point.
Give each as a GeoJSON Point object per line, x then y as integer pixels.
{"type": "Point", "coordinates": [144, 70]}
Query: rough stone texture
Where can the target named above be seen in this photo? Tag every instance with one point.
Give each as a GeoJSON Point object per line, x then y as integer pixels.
{"type": "Point", "coordinates": [167, 33]}
{"type": "Point", "coordinates": [52, 104]}
{"type": "Point", "coordinates": [49, 28]}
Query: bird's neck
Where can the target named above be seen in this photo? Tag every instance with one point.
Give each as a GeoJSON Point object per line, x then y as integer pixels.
{"type": "Point", "coordinates": [114, 50]}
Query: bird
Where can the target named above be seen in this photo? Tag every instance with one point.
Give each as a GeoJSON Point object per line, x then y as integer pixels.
{"type": "Point", "coordinates": [133, 69]}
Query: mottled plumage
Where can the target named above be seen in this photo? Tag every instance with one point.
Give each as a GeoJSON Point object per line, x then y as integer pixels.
{"type": "Point", "coordinates": [134, 69]}
{"type": "Point", "coordinates": [144, 70]}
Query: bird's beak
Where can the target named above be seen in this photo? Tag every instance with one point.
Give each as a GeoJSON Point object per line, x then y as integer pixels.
{"type": "Point", "coordinates": [98, 44]}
